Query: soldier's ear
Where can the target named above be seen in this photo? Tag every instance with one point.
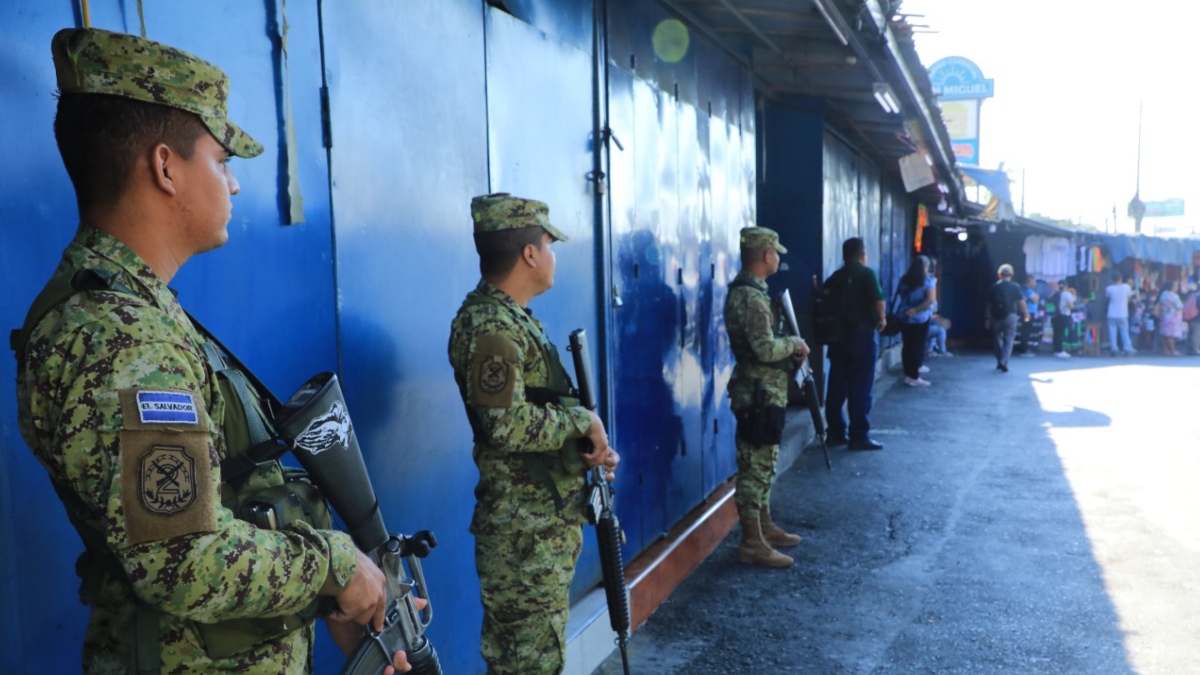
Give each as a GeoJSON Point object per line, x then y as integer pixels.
{"type": "Point", "coordinates": [162, 163]}
{"type": "Point", "coordinates": [529, 254]}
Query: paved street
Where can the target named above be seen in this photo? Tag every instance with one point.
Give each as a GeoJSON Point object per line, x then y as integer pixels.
{"type": "Point", "coordinates": [1039, 521]}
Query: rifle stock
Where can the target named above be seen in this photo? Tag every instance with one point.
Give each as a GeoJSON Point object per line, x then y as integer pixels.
{"type": "Point", "coordinates": [600, 511]}
{"type": "Point", "coordinates": [316, 424]}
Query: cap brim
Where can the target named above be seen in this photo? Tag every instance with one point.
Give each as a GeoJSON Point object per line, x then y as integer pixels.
{"type": "Point", "coordinates": [555, 232]}
{"type": "Point", "coordinates": [779, 247]}
{"type": "Point", "coordinates": [230, 135]}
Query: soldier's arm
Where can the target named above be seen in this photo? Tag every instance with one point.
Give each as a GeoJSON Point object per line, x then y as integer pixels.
{"type": "Point", "coordinates": [187, 555]}
{"type": "Point", "coordinates": [767, 347]}
{"type": "Point", "coordinates": [495, 384]}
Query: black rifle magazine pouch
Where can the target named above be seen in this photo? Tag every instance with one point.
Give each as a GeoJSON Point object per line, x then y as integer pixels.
{"type": "Point", "coordinates": [760, 425]}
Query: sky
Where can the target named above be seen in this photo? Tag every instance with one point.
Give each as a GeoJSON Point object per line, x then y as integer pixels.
{"type": "Point", "coordinates": [1069, 78]}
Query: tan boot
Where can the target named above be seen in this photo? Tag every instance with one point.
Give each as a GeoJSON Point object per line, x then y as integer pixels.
{"type": "Point", "coordinates": [755, 550]}
{"type": "Point", "coordinates": [772, 533]}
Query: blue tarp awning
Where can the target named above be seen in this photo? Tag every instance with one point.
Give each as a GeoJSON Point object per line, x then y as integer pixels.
{"type": "Point", "coordinates": [1153, 249]}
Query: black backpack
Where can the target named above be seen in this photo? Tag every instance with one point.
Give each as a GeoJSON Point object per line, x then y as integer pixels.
{"type": "Point", "coordinates": [1001, 303]}
{"type": "Point", "coordinates": [833, 309]}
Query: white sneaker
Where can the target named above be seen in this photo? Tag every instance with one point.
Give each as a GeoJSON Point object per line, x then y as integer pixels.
{"type": "Point", "coordinates": [917, 382]}
{"type": "Point", "coordinates": [923, 369]}
{"type": "Point", "coordinates": [1063, 355]}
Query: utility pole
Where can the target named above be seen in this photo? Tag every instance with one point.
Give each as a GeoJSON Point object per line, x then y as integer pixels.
{"type": "Point", "coordinates": [1022, 193]}
{"type": "Point", "coordinates": [1137, 208]}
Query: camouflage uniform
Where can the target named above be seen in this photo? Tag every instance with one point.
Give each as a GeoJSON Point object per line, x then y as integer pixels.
{"type": "Point", "coordinates": [144, 475]}
{"type": "Point", "coordinates": [763, 354]}
{"type": "Point", "coordinates": [525, 546]}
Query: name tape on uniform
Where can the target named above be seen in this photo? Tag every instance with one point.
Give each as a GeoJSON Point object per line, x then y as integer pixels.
{"type": "Point", "coordinates": [166, 407]}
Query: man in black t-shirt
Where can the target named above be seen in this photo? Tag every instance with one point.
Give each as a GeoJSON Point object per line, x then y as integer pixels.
{"type": "Point", "coordinates": [1005, 300]}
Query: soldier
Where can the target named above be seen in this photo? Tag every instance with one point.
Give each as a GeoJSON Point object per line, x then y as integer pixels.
{"type": "Point", "coordinates": [529, 499]}
{"type": "Point", "coordinates": [758, 394]}
{"type": "Point", "coordinates": [120, 402]}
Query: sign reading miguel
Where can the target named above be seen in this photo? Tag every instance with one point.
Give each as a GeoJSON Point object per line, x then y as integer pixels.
{"type": "Point", "coordinates": [961, 87]}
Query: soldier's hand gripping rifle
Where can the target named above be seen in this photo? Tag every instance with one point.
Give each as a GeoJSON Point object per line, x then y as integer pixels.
{"type": "Point", "coordinates": [808, 385]}
{"type": "Point", "coordinates": [318, 427]}
{"type": "Point", "coordinates": [600, 510]}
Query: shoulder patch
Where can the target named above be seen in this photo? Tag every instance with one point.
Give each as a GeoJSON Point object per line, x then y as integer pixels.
{"type": "Point", "coordinates": [162, 409]}
{"type": "Point", "coordinates": [494, 364]}
{"type": "Point", "coordinates": [166, 407]}
{"type": "Point", "coordinates": [758, 318]}
{"type": "Point", "coordinates": [168, 479]}
{"type": "Point", "coordinates": [167, 484]}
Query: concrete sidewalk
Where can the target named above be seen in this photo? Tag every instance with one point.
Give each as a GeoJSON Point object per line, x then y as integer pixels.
{"type": "Point", "coordinates": [1010, 525]}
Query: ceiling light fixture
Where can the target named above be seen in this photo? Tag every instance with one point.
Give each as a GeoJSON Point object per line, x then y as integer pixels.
{"type": "Point", "coordinates": [886, 98]}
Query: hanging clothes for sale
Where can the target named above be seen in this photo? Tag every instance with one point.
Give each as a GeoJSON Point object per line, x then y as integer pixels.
{"type": "Point", "coordinates": [1049, 258]}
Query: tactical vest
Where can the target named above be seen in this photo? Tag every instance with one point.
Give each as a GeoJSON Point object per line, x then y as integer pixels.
{"type": "Point", "coordinates": [543, 467]}
{"type": "Point", "coordinates": [254, 486]}
{"type": "Point", "coordinates": [776, 324]}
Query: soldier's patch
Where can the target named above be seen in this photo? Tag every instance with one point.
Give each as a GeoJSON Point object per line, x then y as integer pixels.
{"type": "Point", "coordinates": [161, 409]}
{"type": "Point", "coordinates": [759, 319]}
{"type": "Point", "coordinates": [168, 479]}
{"type": "Point", "coordinates": [167, 484]}
{"type": "Point", "coordinates": [166, 407]}
{"type": "Point", "coordinates": [494, 371]}
{"type": "Point", "coordinates": [493, 375]}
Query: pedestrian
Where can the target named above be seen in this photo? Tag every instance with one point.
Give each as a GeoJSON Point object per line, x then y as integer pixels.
{"type": "Point", "coordinates": [1005, 301]}
{"type": "Point", "coordinates": [1031, 330]}
{"type": "Point", "coordinates": [1171, 326]}
{"type": "Point", "coordinates": [1191, 314]}
{"type": "Point", "coordinates": [1062, 320]}
{"type": "Point", "coordinates": [852, 362]}
{"type": "Point", "coordinates": [936, 343]}
{"type": "Point", "coordinates": [758, 394]}
{"type": "Point", "coordinates": [1119, 294]}
{"type": "Point", "coordinates": [177, 582]}
{"type": "Point", "coordinates": [532, 473]}
{"type": "Point", "coordinates": [917, 294]}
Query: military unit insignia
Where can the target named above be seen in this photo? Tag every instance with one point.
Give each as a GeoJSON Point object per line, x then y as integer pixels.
{"type": "Point", "coordinates": [326, 431]}
{"type": "Point", "coordinates": [168, 480]}
{"type": "Point", "coordinates": [493, 375]}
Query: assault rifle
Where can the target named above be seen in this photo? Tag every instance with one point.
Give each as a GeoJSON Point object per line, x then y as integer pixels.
{"type": "Point", "coordinates": [316, 423]}
{"type": "Point", "coordinates": [808, 385]}
{"type": "Point", "coordinates": [600, 510]}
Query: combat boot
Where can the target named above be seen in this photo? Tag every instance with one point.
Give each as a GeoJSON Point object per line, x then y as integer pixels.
{"type": "Point", "coordinates": [772, 533]}
{"type": "Point", "coordinates": [754, 550]}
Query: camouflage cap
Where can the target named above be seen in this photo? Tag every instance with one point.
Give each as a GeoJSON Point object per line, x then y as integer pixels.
{"type": "Point", "coordinates": [94, 61]}
{"type": "Point", "coordinates": [502, 211]}
{"type": "Point", "coordinates": [761, 238]}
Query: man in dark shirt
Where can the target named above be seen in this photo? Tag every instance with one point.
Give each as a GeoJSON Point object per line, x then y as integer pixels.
{"type": "Point", "coordinates": [1005, 299]}
{"type": "Point", "coordinates": [852, 363]}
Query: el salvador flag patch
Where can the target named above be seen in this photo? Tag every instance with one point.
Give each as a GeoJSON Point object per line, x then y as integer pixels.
{"type": "Point", "coordinates": [166, 407]}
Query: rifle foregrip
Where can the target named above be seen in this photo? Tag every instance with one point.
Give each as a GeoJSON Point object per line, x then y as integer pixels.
{"type": "Point", "coordinates": [608, 540]}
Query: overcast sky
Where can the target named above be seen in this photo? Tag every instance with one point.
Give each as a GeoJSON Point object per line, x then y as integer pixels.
{"type": "Point", "coordinates": [1069, 76]}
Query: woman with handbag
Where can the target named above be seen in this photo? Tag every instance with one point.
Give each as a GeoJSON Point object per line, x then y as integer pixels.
{"type": "Point", "coordinates": [913, 304]}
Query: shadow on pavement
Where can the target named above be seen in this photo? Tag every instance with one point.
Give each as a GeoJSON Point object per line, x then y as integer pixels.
{"type": "Point", "coordinates": [958, 548]}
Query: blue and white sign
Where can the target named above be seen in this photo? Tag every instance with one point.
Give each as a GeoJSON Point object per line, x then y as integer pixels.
{"type": "Point", "coordinates": [955, 78]}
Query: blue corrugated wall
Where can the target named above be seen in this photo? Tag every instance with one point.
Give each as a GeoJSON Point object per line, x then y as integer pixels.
{"type": "Point", "coordinates": [430, 103]}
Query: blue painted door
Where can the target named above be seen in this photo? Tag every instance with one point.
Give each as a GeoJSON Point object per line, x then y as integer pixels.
{"type": "Point", "coordinates": [409, 128]}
